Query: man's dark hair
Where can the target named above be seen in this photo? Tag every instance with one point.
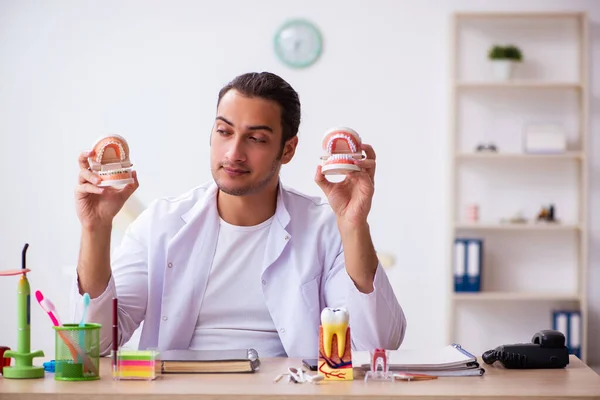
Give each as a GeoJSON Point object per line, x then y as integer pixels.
{"type": "Point", "coordinates": [269, 86]}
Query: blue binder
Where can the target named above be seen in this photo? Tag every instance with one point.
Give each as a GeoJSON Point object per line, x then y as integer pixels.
{"type": "Point", "coordinates": [569, 323]}
{"type": "Point", "coordinates": [468, 261]}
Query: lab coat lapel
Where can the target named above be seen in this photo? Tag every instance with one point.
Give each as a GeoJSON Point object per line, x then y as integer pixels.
{"type": "Point", "coordinates": [278, 236]}
{"type": "Point", "coordinates": [189, 258]}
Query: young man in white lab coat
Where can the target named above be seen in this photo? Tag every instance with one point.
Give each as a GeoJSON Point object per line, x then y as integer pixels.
{"type": "Point", "coordinates": [244, 261]}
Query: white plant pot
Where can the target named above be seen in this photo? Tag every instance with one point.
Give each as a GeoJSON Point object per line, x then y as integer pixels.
{"type": "Point", "coordinates": [503, 69]}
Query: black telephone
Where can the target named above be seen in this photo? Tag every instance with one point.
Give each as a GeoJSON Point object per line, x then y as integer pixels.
{"type": "Point", "coordinates": [546, 350]}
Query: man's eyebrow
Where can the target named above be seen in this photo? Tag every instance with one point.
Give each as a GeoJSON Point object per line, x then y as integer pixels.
{"type": "Point", "coordinates": [260, 128]}
{"type": "Point", "coordinates": [224, 120]}
{"type": "Point", "coordinates": [250, 128]}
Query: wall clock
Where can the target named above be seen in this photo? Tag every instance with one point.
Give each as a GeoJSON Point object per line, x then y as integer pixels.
{"type": "Point", "coordinates": [298, 43]}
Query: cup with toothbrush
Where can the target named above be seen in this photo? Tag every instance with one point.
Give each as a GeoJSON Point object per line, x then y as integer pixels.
{"type": "Point", "coordinates": [77, 345]}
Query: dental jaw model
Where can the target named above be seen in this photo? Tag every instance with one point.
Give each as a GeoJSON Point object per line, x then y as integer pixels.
{"type": "Point", "coordinates": [342, 147]}
{"type": "Point", "coordinates": [111, 161]}
{"type": "Point", "coordinates": [335, 354]}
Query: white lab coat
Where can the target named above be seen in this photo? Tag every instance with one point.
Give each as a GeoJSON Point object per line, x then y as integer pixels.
{"type": "Point", "coordinates": [160, 271]}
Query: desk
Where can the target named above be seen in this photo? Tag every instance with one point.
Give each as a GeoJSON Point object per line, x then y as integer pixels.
{"type": "Point", "coordinates": [577, 381]}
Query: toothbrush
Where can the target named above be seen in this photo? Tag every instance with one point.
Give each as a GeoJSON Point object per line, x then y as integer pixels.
{"type": "Point", "coordinates": [48, 306]}
{"type": "Point", "coordinates": [75, 350]}
{"type": "Point", "coordinates": [86, 303]}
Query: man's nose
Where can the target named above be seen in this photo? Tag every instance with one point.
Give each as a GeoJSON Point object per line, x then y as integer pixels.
{"type": "Point", "coordinates": [235, 151]}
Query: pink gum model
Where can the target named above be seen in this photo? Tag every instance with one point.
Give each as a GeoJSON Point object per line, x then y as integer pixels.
{"type": "Point", "coordinates": [342, 147]}
{"type": "Point", "coordinates": [111, 161]}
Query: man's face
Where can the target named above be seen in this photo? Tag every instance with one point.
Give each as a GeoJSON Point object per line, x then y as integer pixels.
{"type": "Point", "coordinates": [246, 144]}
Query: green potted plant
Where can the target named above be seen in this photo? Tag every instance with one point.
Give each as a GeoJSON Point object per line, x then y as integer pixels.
{"type": "Point", "coordinates": [504, 59]}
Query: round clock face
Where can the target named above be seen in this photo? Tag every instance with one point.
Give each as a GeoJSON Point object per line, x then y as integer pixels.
{"type": "Point", "coordinates": [298, 43]}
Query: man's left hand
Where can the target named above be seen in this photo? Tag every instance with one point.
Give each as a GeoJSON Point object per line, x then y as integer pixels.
{"type": "Point", "coordinates": [351, 199]}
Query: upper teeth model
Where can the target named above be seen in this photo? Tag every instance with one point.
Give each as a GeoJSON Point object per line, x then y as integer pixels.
{"type": "Point", "coordinates": [111, 161]}
{"type": "Point", "coordinates": [342, 146]}
{"type": "Point", "coordinates": [334, 322]}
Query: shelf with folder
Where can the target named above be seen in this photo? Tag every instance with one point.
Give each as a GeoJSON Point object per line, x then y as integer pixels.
{"type": "Point", "coordinates": [506, 255]}
{"type": "Point", "coordinates": [514, 296]}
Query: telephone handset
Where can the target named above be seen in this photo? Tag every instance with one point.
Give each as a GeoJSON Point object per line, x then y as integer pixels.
{"type": "Point", "coordinates": [546, 350]}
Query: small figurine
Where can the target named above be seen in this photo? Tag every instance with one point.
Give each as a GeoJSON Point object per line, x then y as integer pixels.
{"type": "Point", "coordinates": [490, 147]}
{"type": "Point", "coordinates": [547, 214]}
{"type": "Point", "coordinates": [342, 147]}
{"type": "Point", "coordinates": [111, 161]}
{"type": "Point", "coordinates": [335, 353]}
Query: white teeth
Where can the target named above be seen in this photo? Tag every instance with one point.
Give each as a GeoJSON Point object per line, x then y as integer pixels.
{"type": "Point", "coordinates": [114, 171]}
{"type": "Point", "coordinates": [118, 144]}
{"type": "Point", "coordinates": [348, 138]}
{"type": "Point", "coordinates": [334, 322]}
{"type": "Point", "coordinates": [334, 157]}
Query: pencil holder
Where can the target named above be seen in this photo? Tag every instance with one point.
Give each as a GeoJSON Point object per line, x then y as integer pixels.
{"type": "Point", "coordinates": [77, 351]}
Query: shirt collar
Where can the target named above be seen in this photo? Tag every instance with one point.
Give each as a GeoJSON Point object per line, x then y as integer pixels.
{"type": "Point", "coordinates": [209, 200]}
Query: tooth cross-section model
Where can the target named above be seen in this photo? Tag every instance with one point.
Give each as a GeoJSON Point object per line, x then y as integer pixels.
{"type": "Point", "coordinates": [111, 161]}
{"type": "Point", "coordinates": [335, 355]}
{"type": "Point", "coordinates": [342, 147]}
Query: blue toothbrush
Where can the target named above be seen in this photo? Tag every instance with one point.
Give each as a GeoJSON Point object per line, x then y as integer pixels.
{"type": "Point", "coordinates": [86, 303]}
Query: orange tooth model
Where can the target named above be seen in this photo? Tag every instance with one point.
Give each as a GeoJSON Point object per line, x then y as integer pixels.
{"type": "Point", "coordinates": [111, 161]}
{"type": "Point", "coordinates": [342, 147]}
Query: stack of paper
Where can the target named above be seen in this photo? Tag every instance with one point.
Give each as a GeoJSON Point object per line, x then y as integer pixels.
{"type": "Point", "coordinates": [451, 360]}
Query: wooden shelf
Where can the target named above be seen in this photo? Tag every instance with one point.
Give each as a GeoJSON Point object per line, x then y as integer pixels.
{"type": "Point", "coordinates": [516, 226]}
{"type": "Point", "coordinates": [516, 296]}
{"type": "Point", "coordinates": [470, 86]}
{"type": "Point", "coordinates": [519, 15]}
{"type": "Point", "coordinates": [488, 156]}
{"type": "Point", "coordinates": [518, 85]}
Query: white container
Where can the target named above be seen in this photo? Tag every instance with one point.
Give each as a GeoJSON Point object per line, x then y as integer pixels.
{"type": "Point", "coordinates": [503, 69]}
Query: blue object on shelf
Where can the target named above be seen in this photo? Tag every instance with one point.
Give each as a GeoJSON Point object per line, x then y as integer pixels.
{"type": "Point", "coordinates": [50, 366]}
{"type": "Point", "coordinates": [468, 263]}
{"type": "Point", "coordinates": [569, 323]}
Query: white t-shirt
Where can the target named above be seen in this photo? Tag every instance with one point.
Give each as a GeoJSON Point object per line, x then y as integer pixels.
{"type": "Point", "coordinates": [233, 314]}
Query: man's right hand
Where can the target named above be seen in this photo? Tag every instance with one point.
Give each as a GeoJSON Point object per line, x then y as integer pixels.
{"type": "Point", "coordinates": [97, 206]}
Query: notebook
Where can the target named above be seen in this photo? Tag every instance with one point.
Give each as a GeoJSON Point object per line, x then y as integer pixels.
{"type": "Point", "coordinates": [209, 361]}
{"type": "Point", "coordinates": [451, 360]}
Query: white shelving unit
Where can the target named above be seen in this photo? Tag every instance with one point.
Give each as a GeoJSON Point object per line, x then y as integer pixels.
{"type": "Point", "coordinates": [532, 268]}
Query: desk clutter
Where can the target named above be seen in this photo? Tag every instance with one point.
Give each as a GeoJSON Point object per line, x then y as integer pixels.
{"type": "Point", "coordinates": [77, 352]}
{"type": "Point", "coordinates": [450, 360]}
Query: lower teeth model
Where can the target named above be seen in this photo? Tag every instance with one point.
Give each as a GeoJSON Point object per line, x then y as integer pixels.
{"type": "Point", "coordinates": [111, 161]}
{"type": "Point", "coordinates": [342, 147]}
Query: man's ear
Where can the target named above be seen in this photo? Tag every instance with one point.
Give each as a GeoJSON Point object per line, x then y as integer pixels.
{"type": "Point", "coordinates": [289, 149]}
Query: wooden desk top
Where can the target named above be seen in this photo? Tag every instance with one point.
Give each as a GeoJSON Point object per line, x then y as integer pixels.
{"type": "Point", "coordinates": [577, 381]}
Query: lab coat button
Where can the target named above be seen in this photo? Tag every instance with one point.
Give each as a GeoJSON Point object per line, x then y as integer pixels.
{"type": "Point", "coordinates": [264, 282]}
{"type": "Point", "coordinates": [287, 237]}
{"type": "Point", "coordinates": [282, 330]}
{"type": "Point", "coordinates": [165, 318]}
{"type": "Point", "coordinates": [170, 265]}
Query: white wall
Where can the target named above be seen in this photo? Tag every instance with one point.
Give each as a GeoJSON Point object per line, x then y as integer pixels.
{"type": "Point", "coordinates": [73, 70]}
